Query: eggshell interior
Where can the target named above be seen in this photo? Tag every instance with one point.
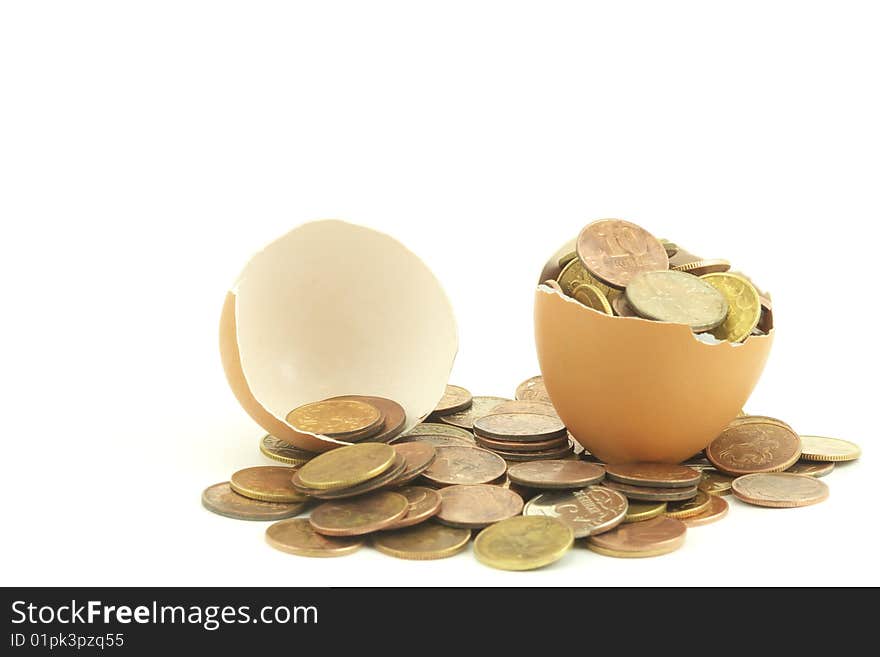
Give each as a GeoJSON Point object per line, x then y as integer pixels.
{"type": "Point", "coordinates": [332, 308]}
{"type": "Point", "coordinates": [631, 389]}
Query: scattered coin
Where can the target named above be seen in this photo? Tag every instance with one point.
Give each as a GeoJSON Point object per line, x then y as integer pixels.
{"type": "Point", "coordinates": [701, 267]}
{"type": "Point", "coordinates": [422, 542]}
{"type": "Point", "coordinates": [742, 299]}
{"type": "Point", "coordinates": [556, 474]}
{"type": "Point", "coordinates": [479, 407]}
{"type": "Point", "coordinates": [754, 444]}
{"type": "Point", "coordinates": [640, 511]}
{"type": "Point", "coordinates": [360, 515]}
{"type": "Point", "coordinates": [298, 537]}
{"type": "Point", "coordinates": [641, 539]}
{"type": "Point", "coordinates": [347, 466]}
{"type": "Point", "coordinates": [818, 448]}
{"type": "Point", "coordinates": [574, 274]}
{"type": "Point", "coordinates": [717, 509]}
{"type": "Point", "coordinates": [437, 429]}
{"type": "Point", "coordinates": [454, 400]}
{"type": "Point", "coordinates": [477, 506]}
{"type": "Point", "coordinates": [269, 483]}
{"type": "Point", "coordinates": [436, 441]}
{"type": "Point", "coordinates": [523, 543]}
{"type": "Point", "coordinates": [779, 489]}
{"type": "Point", "coordinates": [587, 511]}
{"type": "Point", "coordinates": [651, 494]}
{"type": "Point", "coordinates": [592, 297]}
{"type": "Point", "coordinates": [614, 250]}
{"type": "Point", "coordinates": [672, 296]}
{"type": "Point", "coordinates": [419, 456]}
{"type": "Point", "coordinates": [812, 468]}
{"type": "Point", "coordinates": [659, 475]}
{"type": "Point", "coordinates": [222, 500]}
{"type": "Point", "coordinates": [465, 465]}
{"type": "Point", "coordinates": [532, 390]}
{"type": "Point", "coordinates": [687, 508]}
{"type": "Point", "coordinates": [340, 419]}
{"type": "Point", "coordinates": [278, 450]}
{"type": "Point", "coordinates": [526, 406]}
{"type": "Point", "coordinates": [391, 477]}
{"type": "Point", "coordinates": [520, 426]}
{"type": "Point", "coordinates": [423, 502]}
{"type": "Point", "coordinates": [715, 483]}
{"type": "Point", "coordinates": [394, 418]}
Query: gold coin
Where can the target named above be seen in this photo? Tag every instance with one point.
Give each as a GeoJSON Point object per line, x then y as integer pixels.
{"type": "Point", "coordinates": [574, 274]}
{"type": "Point", "coordinates": [278, 450]}
{"type": "Point", "coordinates": [298, 537]}
{"type": "Point", "coordinates": [744, 306]}
{"type": "Point", "coordinates": [523, 543]}
{"type": "Point", "coordinates": [347, 466]}
{"type": "Point", "coordinates": [715, 482]}
{"type": "Point", "coordinates": [428, 540]}
{"type": "Point", "coordinates": [356, 516]}
{"type": "Point", "coordinates": [269, 483]}
{"type": "Point", "coordinates": [639, 511]}
{"type": "Point", "coordinates": [565, 259]}
{"type": "Point", "coordinates": [343, 419]}
{"type": "Point", "coordinates": [592, 297]}
{"type": "Point", "coordinates": [692, 507]}
{"type": "Point", "coordinates": [819, 448]}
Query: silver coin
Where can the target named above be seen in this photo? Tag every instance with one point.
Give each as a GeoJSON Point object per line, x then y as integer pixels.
{"type": "Point", "coordinates": [673, 296]}
{"type": "Point", "coordinates": [588, 511]}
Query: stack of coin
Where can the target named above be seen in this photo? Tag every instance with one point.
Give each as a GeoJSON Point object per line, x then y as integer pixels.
{"type": "Point", "coordinates": [674, 485]}
{"type": "Point", "coordinates": [660, 281]}
{"type": "Point", "coordinates": [351, 418]}
{"type": "Point", "coordinates": [523, 436]}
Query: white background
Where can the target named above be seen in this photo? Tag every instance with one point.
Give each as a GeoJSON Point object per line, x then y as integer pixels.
{"type": "Point", "coordinates": [147, 149]}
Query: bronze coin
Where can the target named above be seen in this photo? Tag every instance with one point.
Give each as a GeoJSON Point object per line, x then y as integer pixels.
{"type": "Point", "coordinates": [716, 510]}
{"type": "Point", "coordinates": [614, 250]}
{"type": "Point", "coordinates": [779, 489]}
{"type": "Point", "coordinates": [479, 407]}
{"type": "Point", "coordinates": [687, 508]}
{"type": "Point", "coordinates": [476, 506]}
{"type": "Point", "coordinates": [522, 446]}
{"type": "Point", "coordinates": [811, 468]}
{"type": "Point", "coordinates": [278, 450]}
{"type": "Point", "coordinates": [519, 426]}
{"type": "Point", "coordinates": [437, 429]}
{"type": "Point", "coordinates": [297, 536]}
{"type": "Point", "coordinates": [532, 390]}
{"type": "Point", "coordinates": [419, 456]}
{"type": "Point", "coordinates": [343, 419]}
{"type": "Point", "coordinates": [454, 400]}
{"type": "Point", "coordinates": [650, 538]}
{"type": "Point", "coordinates": [754, 444]}
{"type": "Point", "coordinates": [394, 418]}
{"type": "Point", "coordinates": [650, 494]}
{"type": "Point", "coordinates": [715, 483]}
{"type": "Point", "coordinates": [657, 475]}
{"type": "Point", "coordinates": [222, 500]}
{"type": "Point", "coordinates": [423, 502]}
{"type": "Point", "coordinates": [465, 465]}
{"type": "Point", "coordinates": [556, 474]}
{"type": "Point", "coordinates": [424, 541]}
{"type": "Point", "coordinates": [587, 511]}
{"type": "Point", "coordinates": [436, 441]}
{"type": "Point", "coordinates": [270, 483]}
{"type": "Point", "coordinates": [387, 479]}
{"type": "Point", "coordinates": [526, 406]}
{"type": "Point", "coordinates": [360, 515]}
{"type": "Point", "coordinates": [542, 455]}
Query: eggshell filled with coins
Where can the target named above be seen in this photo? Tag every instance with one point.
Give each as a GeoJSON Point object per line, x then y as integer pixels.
{"type": "Point", "coordinates": [631, 389]}
{"type": "Point", "coordinates": [330, 309]}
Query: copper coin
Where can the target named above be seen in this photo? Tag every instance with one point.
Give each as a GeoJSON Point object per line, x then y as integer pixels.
{"type": "Point", "coordinates": [343, 419]}
{"type": "Point", "coordinates": [346, 466]}
{"type": "Point", "coordinates": [419, 457]}
{"type": "Point", "coordinates": [454, 400]}
{"type": "Point", "coordinates": [650, 494]}
{"type": "Point", "coordinates": [437, 429]}
{"type": "Point", "coordinates": [658, 475]}
{"type": "Point", "coordinates": [270, 483]}
{"type": "Point", "coordinates": [716, 510]}
{"type": "Point", "coordinates": [811, 468]}
{"type": "Point", "coordinates": [222, 500]}
{"type": "Point", "coordinates": [387, 479]}
{"type": "Point", "coordinates": [754, 444]}
{"type": "Point", "coordinates": [278, 450]}
{"type": "Point", "coordinates": [522, 446]}
{"type": "Point", "coordinates": [622, 308]}
{"type": "Point", "coordinates": [423, 502]}
{"type": "Point", "coordinates": [586, 511]}
{"type": "Point", "coordinates": [556, 474]}
{"type": "Point", "coordinates": [641, 539]}
{"type": "Point", "coordinates": [614, 250]}
{"type": "Point", "coordinates": [526, 406]}
{"type": "Point", "coordinates": [393, 413]}
{"type": "Point", "coordinates": [465, 465]}
{"type": "Point", "coordinates": [298, 537]}
{"type": "Point", "coordinates": [687, 508]}
{"type": "Point", "coordinates": [779, 489]}
{"type": "Point", "coordinates": [532, 390]}
{"type": "Point", "coordinates": [360, 515]}
{"type": "Point", "coordinates": [715, 483]}
{"type": "Point", "coordinates": [436, 441]}
{"type": "Point", "coordinates": [479, 407]}
{"type": "Point", "coordinates": [542, 455]}
{"type": "Point", "coordinates": [476, 506]}
{"type": "Point", "coordinates": [519, 426]}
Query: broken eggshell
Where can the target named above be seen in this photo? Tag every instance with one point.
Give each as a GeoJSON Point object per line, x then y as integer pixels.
{"type": "Point", "coordinates": [632, 389]}
{"type": "Point", "coordinates": [329, 309]}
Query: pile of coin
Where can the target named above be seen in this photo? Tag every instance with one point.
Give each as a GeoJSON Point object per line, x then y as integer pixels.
{"type": "Point", "coordinates": [620, 269]}
{"type": "Point", "coordinates": [427, 494]}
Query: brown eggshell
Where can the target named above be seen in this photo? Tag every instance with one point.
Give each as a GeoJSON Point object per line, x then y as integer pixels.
{"type": "Point", "coordinates": [631, 389]}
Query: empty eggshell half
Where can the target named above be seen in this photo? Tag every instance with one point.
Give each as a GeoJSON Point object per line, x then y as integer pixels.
{"type": "Point", "coordinates": [631, 389]}
{"type": "Point", "coordinates": [332, 308]}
